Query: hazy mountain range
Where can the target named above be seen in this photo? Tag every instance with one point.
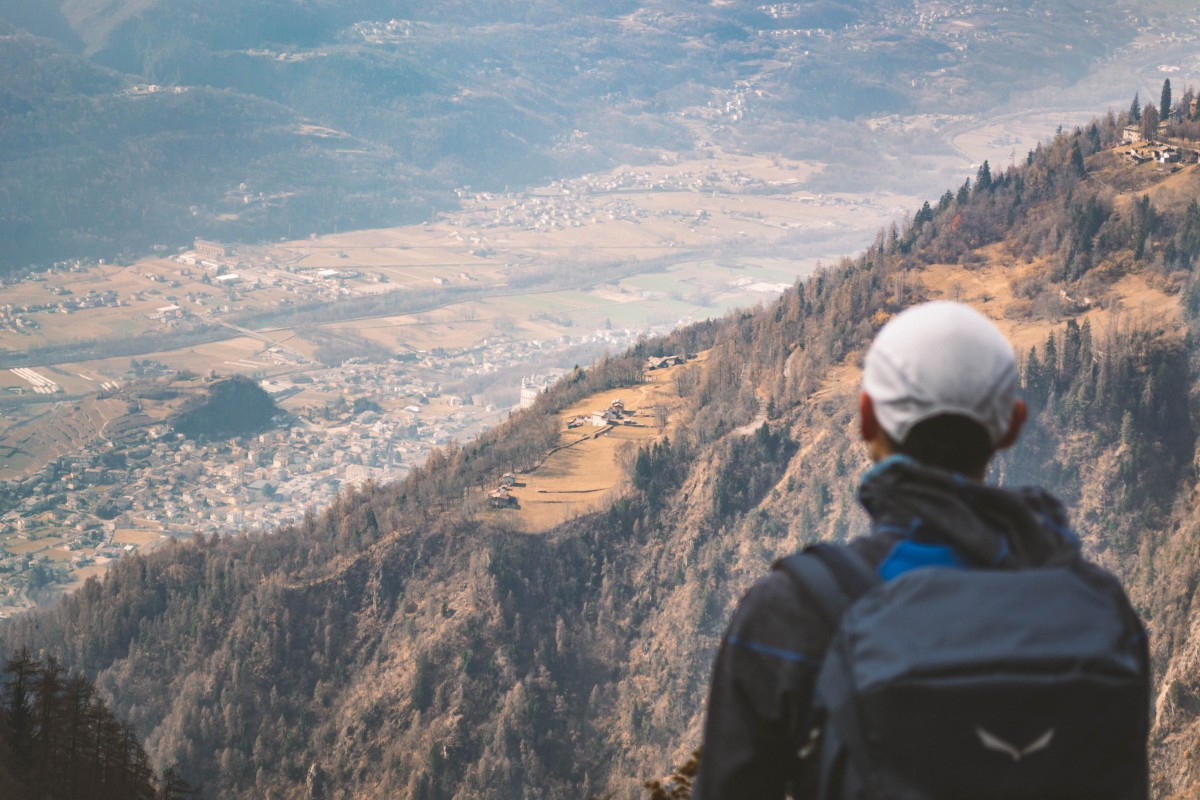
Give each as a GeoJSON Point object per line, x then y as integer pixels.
{"type": "Point", "coordinates": [137, 123]}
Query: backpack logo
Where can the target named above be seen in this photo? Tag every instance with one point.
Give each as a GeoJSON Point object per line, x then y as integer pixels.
{"type": "Point", "coordinates": [993, 742]}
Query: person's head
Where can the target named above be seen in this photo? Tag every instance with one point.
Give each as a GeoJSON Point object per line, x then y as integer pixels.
{"type": "Point", "coordinates": [940, 385]}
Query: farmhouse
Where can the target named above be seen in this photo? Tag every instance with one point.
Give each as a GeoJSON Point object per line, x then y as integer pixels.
{"type": "Point", "coordinates": [500, 498]}
{"type": "Point", "coordinates": [665, 362]}
{"type": "Point", "coordinates": [605, 417]}
{"type": "Point", "coordinates": [168, 312]}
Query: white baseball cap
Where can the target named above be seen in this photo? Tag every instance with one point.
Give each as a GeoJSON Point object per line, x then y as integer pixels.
{"type": "Point", "coordinates": [941, 358]}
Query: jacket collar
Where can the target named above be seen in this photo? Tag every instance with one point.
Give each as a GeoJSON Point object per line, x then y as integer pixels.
{"type": "Point", "coordinates": [988, 525]}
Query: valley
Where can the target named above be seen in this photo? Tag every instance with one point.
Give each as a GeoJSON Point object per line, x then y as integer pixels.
{"type": "Point", "coordinates": [380, 345]}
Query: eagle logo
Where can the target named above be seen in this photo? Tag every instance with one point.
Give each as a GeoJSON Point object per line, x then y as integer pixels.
{"type": "Point", "coordinates": [993, 742]}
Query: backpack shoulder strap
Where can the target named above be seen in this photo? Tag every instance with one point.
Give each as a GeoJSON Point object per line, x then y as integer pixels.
{"type": "Point", "coordinates": [832, 576]}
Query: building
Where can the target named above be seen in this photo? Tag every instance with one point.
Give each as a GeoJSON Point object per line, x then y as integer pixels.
{"type": "Point", "coordinates": [500, 498]}
{"type": "Point", "coordinates": [529, 393]}
{"type": "Point", "coordinates": [665, 362]}
{"type": "Point", "coordinates": [209, 249]}
{"type": "Point", "coordinates": [605, 417]}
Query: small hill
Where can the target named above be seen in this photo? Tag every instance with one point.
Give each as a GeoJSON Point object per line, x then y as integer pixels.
{"type": "Point", "coordinates": [234, 406]}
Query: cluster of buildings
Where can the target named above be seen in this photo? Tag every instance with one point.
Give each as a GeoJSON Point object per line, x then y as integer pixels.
{"type": "Point", "coordinates": [598, 198]}
{"type": "Point", "coordinates": [1161, 147]}
{"type": "Point", "coordinates": [20, 318]}
{"type": "Point", "coordinates": [152, 481]}
{"type": "Point", "coordinates": [502, 496]}
{"type": "Point", "coordinates": [390, 32]}
{"type": "Point", "coordinates": [1160, 153]}
{"type": "Point", "coordinates": [38, 382]}
{"type": "Point", "coordinates": [603, 417]}
{"type": "Point", "coordinates": [143, 89]}
{"type": "Point", "coordinates": [545, 213]}
{"type": "Point", "coordinates": [146, 484]}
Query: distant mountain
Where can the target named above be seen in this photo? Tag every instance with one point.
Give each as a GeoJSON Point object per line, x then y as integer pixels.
{"type": "Point", "coordinates": [409, 641]}
{"type": "Point", "coordinates": [98, 166]}
{"type": "Point", "coordinates": [44, 20]}
{"type": "Point", "coordinates": [140, 123]}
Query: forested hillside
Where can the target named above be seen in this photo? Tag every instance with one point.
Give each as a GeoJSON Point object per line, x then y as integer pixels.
{"type": "Point", "coordinates": [406, 643]}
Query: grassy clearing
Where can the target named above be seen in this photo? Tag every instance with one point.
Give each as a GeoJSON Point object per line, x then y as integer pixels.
{"type": "Point", "coordinates": [591, 465]}
{"type": "Point", "coordinates": [989, 288]}
{"type": "Point", "coordinates": [141, 538]}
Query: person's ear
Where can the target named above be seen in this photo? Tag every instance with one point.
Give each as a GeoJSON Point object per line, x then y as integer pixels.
{"type": "Point", "coordinates": [868, 424]}
{"type": "Point", "coordinates": [1019, 414]}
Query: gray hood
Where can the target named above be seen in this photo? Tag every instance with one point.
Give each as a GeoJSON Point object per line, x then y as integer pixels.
{"type": "Point", "coordinates": [988, 525]}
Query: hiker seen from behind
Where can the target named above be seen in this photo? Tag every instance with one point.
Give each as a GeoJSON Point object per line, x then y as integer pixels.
{"type": "Point", "coordinates": [963, 648]}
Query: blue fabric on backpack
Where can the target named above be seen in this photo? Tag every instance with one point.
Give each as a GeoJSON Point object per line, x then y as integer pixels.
{"type": "Point", "coordinates": [909, 555]}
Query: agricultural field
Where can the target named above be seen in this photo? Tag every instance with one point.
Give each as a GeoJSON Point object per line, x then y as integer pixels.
{"type": "Point", "coordinates": [47, 433]}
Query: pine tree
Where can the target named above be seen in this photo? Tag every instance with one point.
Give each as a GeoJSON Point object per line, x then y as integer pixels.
{"type": "Point", "coordinates": [1135, 110]}
{"type": "Point", "coordinates": [1077, 160]}
{"type": "Point", "coordinates": [924, 215]}
{"type": "Point", "coordinates": [1035, 379]}
{"type": "Point", "coordinates": [1164, 105]}
{"type": "Point", "coordinates": [1050, 361]}
{"type": "Point", "coordinates": [19, 709]}
{"type": "Point", "coordinates": [983, 178]}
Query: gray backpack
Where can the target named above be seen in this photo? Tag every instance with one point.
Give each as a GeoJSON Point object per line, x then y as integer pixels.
{"type": "Point", "coordinates": [971, 684]}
